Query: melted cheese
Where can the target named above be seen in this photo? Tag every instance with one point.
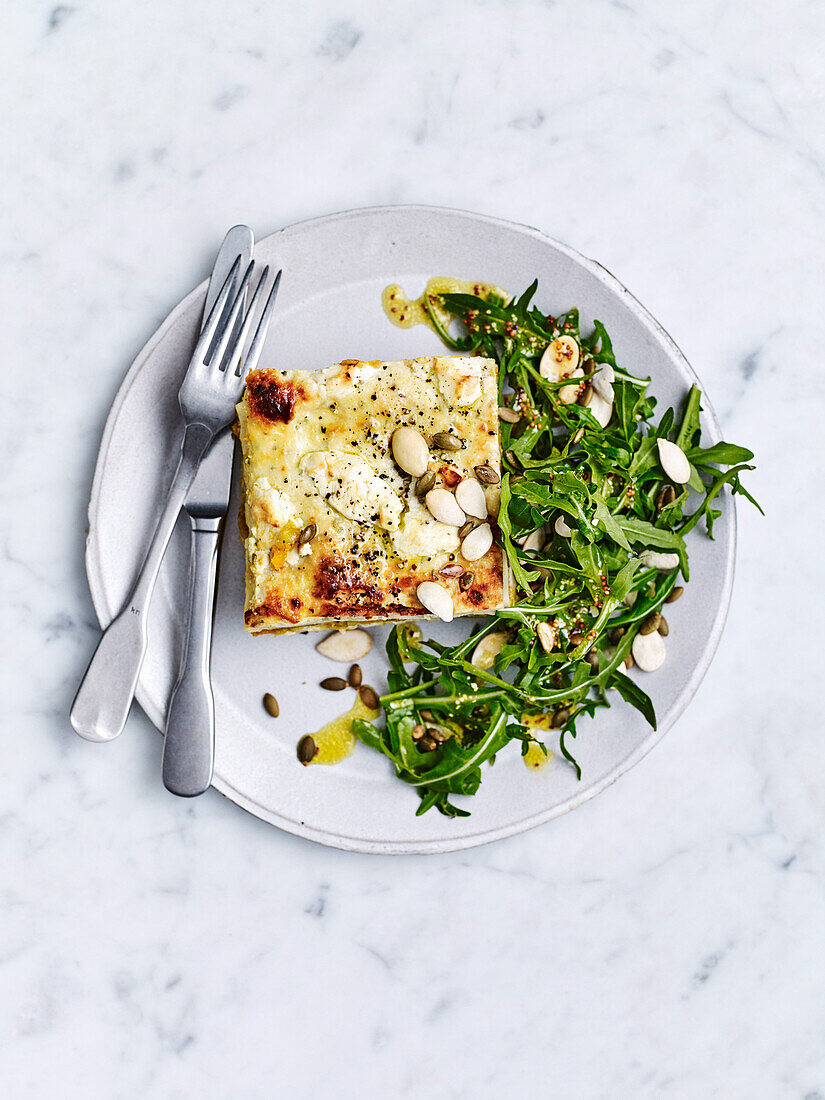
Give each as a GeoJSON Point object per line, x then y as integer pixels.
{"type": "Point", "coordinates": [316, 451]}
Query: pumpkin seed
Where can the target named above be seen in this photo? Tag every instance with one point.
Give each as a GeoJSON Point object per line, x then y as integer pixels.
{"type": "Point", "coordinates": [511, 458]}
{"type": "Point", "coordinates": [575, 638]}
{"type": "Point", "coordinates": [653, 559]}
{"type": "Point", "coordinates": [477, 543]}
{"type": "Point", "coordinates": [471, 498]}
{"type": "Point", "coordinates": [616, 633]}
{"type": "Point", "coordinates": [427, 715]}
{"type": "Point", "coordinates": [561, 527]}
{"type": "Point", "coordinates": [446, 441]}
{"type": "Point", "coordinates": [427, 744]}
{"type": "Point", "coordinates": [334, 683]}
{"type": "Point", "coordinates": [417, 732]}
{"type": "Point", "coordinates": [592, 659]}
{"type": "Point", "coordinates": [410, 451]}
{"type": "Point", "coordinates": [487, 475]}
{"type": "Point", "coordinates": [603, 379]}
{"type": "Point", "coordinates": [663, 628]}
{"type": "Point", "coordinates": [547, 636]}
{"type": "Point", "coordinates": [486, 651]}
{"type": "Point", "coordinates": [559, 718]}
{"type": "Point", "coordinates": [345, 645]}
{"type": "Point", "coordinates": [586, 396]}
{"type": "Point", "coordinates": [307, 534]}
{"type": "Point", "coordinates": [437, 600]}
{"type": "Point", "coordinates": [673, 461]}
{"type": "Point", "coordinates": [424, 484]}
{"type": "Point", "coordinates": [628, 661]}
{"type": "Point", "coordinates": [509, 416]}
{"type": "Point", "coordinates": [355, 676]}
{"type": "Point", "coordinates": [466, 579]}
{"type": "Point", "coordinates": [651, 623]}
{"type": "Point", "coordinates": [443, 506]}
{"type": "Point", "coordinates": [560, 359]}
{"type": "Point", "coordinates": [271, 705]}
{"type": "Point", "coordinates": [369, 697]}
{"type": "Point", "coordinates": [438, 735]}
{"type": "Point", "coordinates": [466, 528]}
{"type": "Point", "coordinates": [675, 594]}
{"type": "Point", "coordinates": [649, 651]}
{"type": "Point", "coordinates": [577, 437]}
{"type": "Point", "coordinates": [453, 569]}
{"type": "Point", "coordinates": [665, 497]}
{"type": "Point", "coordinates": [307, 749]}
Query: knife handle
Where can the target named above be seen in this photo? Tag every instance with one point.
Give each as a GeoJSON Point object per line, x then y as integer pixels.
{"type": "Point", "coordinates": [102, 703]}
{"type": "Point", "coordinates": [189, 747]}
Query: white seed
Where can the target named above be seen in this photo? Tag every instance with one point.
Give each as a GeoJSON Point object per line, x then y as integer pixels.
{"type": "Point", "coordinates": [509, 416]}
{"type": "Point", "coordinates": [568, 394]}
{"type": "Point", "coordinates": [649, 651]}
{"type": "Point", "coordinates": [345, 645]}
{"type": "Point", "coordinates": [436, 599]}
{"type": "Point", "coordinates": [485, 653]}
{"type": "Point", "coordinates": [477, 543]}
{"type": "Point", "coordinates": [560, 359]}
{"type": "Point", "coordinates": [673, 461]}
{"type": "Point", "coordinates": [444, 507]}
{"type": "Point", "coordinates": [534, 541]}
{"type": "Point", "coordinates": [653, 559]}
{"type": "Point", "coordinates": [471, 498]}
{"type": "Point", "coordinates": [602, 382]}
{"type": "Point", "coordinates": [547, 636]}
{"type": "Point", "coordinates": [601, 409]}
{"type": "Point", "coordinates": [410, 451]}
{"type": "Point", "coordinates": [561, 528]}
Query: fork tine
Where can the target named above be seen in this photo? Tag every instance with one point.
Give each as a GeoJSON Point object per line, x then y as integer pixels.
{"type": "Point", "coordinates": [216, 313]}
{"type": "Point", "coordinates": [236, 352]}
{"type": "Point", "coordinates": [257, 344]}
{"type": "Point", "coordinates": [227, 325]}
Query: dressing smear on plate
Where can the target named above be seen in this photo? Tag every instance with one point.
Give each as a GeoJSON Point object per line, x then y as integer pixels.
{"type": "Point", "coordinates": [428, 310]}
{"type": "Point", "coordinates": [336, 740]}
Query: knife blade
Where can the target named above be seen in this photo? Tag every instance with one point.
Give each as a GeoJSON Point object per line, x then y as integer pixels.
{"type": "Point", "coordinates": [189, 746]}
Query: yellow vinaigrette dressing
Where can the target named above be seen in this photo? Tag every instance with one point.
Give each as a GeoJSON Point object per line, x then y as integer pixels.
{"type": "Point", "coordinates": [534, 758]}
{"type": "Point", "coordinates": [406, 312]}
{"type": "Point", "coordinates": [336, 740]}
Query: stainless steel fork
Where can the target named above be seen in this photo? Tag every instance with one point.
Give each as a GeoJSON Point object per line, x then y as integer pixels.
{"type": "Point", "coordinates": [207, 399]}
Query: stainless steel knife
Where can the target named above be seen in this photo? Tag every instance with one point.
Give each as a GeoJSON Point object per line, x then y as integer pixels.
{"type": "Point", "coordinates": [189, 747]}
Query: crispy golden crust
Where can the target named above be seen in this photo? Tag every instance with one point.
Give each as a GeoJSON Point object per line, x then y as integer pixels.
{"type": "Point", "coordinates": [373, 547]}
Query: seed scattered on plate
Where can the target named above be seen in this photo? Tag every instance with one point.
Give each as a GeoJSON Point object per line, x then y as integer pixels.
{"type": "Point", "coordinates": [334, 683]}
{"type": "Point", "coordinates": [355, 676]}
{"type": "Point", "coordinates": [486, 651]}
{"type": "Point", "coordinates": [369, 697]}
{"type": "Point", "coordinates": [271, 705]}
{"type": "Point", "coordinates": [345, 645]}
{"type": "Point", "coordinates": [509, 416]}
{"type": "Point", "coordinates": [649, 651]}
{"type": "Point", "coordinates": [675, 594]}
{"type": "Point", "coordinates": [547, 636]}
{"type": "Point", "coordinates": [307, 749]}
{"type": "Point", "coordinates": [663, 628]}
{"type": "Point", "coordinates": [466, 579]}
{"type": "Point", "coordinates": [452, 569]}
{"type": "Point", "coordinates": [418, 732]}
{"type": "Point", "coordinates": [561, 528]}
{"type": "Point", "coordinates": [654, 560]}
{"type": "Point", "coordinates": [651, 623]}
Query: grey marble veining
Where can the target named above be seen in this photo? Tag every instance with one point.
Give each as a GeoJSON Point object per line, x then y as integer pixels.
{"type": "Point", "coordinates": [667, 939]}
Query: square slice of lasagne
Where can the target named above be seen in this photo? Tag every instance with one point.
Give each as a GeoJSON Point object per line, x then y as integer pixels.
{"type": "Point", "coordinates": [335, 531]}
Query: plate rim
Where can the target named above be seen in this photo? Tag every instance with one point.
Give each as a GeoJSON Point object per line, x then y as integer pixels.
{"type": "Point", "coordinates": [485, 836]}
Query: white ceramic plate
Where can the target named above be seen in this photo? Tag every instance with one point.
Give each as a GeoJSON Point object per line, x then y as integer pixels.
{"type": "Point", "coordinates": [330, 309]}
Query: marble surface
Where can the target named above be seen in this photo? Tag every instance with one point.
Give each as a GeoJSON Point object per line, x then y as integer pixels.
{"type": "Point", "coordinates": [667, 939]}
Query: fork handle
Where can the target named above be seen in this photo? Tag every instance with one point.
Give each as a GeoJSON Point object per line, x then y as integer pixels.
{"type": "Point", "coordinates": [189, 748]}
{"type": "Point", "coordinates": [102, 703]}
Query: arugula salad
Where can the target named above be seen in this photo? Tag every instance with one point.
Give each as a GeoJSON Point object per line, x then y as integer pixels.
{"type": "Point", "coordinates": [598, 493]}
